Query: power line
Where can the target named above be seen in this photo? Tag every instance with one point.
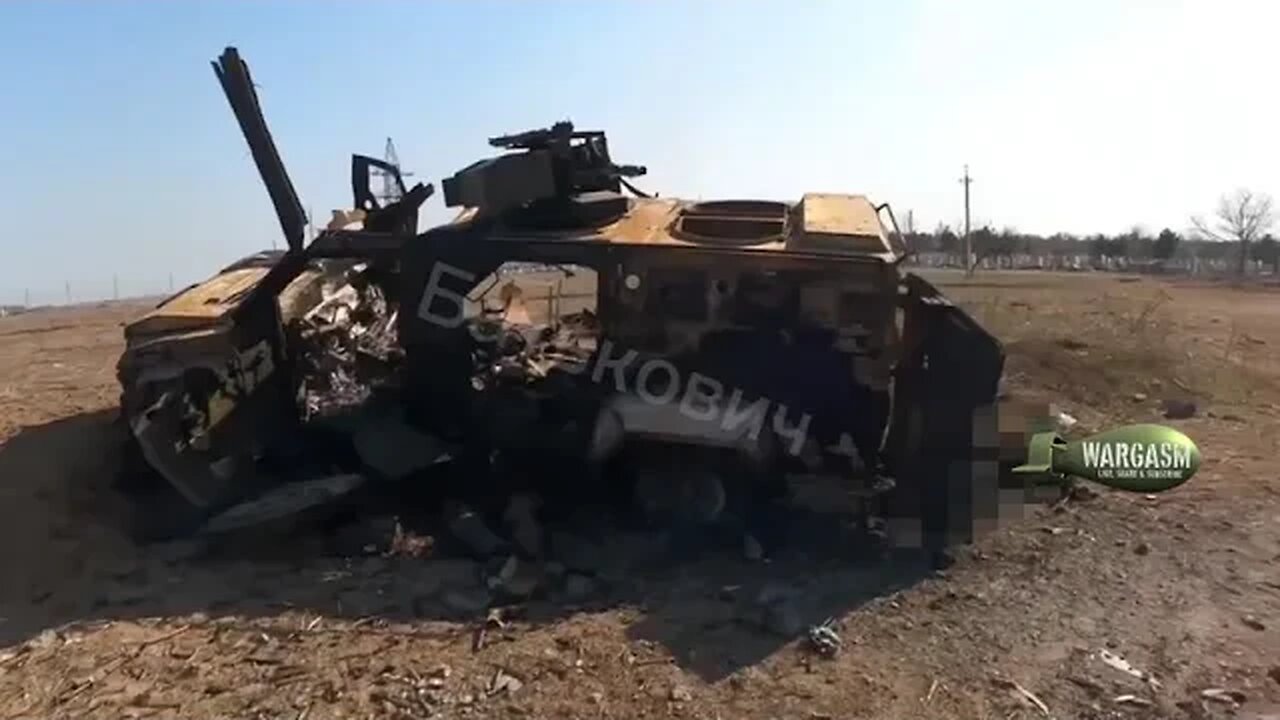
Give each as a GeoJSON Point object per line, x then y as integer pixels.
{"type": "Point", "coordinates": [390, 189]}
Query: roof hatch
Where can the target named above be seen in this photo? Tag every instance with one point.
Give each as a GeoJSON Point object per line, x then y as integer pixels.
{"type": "Point", "coordinates": [733, 222]}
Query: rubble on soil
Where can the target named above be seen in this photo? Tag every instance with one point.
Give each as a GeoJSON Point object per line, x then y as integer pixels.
{"type": "Point", "coordinates": [775, 610]}
{"type": "Point", "coordinates": [282, 502]}
{"type": "Point", "coordinates": [515, 579]}
{"type": "Point", "coordinates": [504, 681]}
{"type": "Point", "coordinates": [825, 640]}
{"type": "Point", "coordinates": [578, 587]}
{"type": "Point", "coordinates": [1253, 623]}
{"type": "Point", "coordinates": [347, 350]}
{"type": "Point", "coordinates": [522, 522]}
{"type": "Point", "coordinates": [364, 536]}
{"type": "Point", "coordinates": [1118, 663]}
{"type": "Point", "coordinates": [1176, 409]}
{"type": "Point", "coordinates": [392, 447]}
{"type": "Point", "coordinates": [1229, 697]}
{"type": "Point", "coordinates": [467, 526]}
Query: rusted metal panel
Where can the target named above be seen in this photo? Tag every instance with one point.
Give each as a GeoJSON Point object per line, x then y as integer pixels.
{"type": "Point", "coordinates": [201, 306]}
{"type": "Point", "coordinates": [831, 214]}
{"type": "Point", "coordinates": [842, 225]}
{"type": "Point", "coordinates": [648, 223]}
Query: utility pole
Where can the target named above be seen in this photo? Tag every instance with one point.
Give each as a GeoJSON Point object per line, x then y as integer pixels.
{"type": "Point", "coordinates": [26, 297]}
{"type": "Point", "coordinates": [115, 287]}
{"type": "Point", "coordinates": [68, 289]}
{"type": "Point", "coordinates": [968, 241]}
{"type": "Point", "coordinates": [911, 231]}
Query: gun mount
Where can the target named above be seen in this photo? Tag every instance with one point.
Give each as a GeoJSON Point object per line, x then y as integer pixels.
{"type": "Point", "coordinates": [555, 177]}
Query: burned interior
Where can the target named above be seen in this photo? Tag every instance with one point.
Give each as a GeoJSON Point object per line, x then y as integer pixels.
{"type": "Point", "coordinates": [730, 346]}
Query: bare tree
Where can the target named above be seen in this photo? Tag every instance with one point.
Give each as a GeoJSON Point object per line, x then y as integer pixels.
{"type": "Point", "coordinates": [1242, 217]}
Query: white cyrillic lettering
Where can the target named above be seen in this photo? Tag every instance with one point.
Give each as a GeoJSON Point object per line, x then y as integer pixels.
{"type": "Point", "coordinates": [642, 382]}
{"type": "Point", "coordinates": [706, 392]}
{"type": "Point", "coordinates": [603, 361]}
{"type": "Point", "coordinates": [434, 291]}
{"type": "Point", "coordinates": [754, 414]}
{"type": "Point", "coordinates": [797, 433]}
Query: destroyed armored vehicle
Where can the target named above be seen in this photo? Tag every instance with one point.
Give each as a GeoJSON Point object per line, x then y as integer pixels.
{"type": "Point", "coordinates": [722, 349]}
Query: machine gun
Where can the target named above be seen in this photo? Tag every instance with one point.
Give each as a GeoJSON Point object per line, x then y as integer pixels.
{"type": "Point", "coordinates": [588, 163]}
{"type": "Point", "coordinates": [553, 173]}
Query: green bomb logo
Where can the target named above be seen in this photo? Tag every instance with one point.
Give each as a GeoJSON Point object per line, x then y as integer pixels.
{"type": "Point", "coordinates": [1138, 458]}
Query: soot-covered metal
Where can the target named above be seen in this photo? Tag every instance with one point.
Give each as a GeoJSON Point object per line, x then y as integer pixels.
{"type": "Point", "coordinates": [724, 350]}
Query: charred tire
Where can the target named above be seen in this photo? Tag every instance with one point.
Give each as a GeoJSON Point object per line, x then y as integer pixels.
{"type": "Point", "coordinates": [691, 486]}
{"type": "Point", "coordinates": [685, 498]}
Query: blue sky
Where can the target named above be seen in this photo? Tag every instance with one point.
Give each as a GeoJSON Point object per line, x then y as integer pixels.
{"type": "Point", "coordinates": [122, 159]}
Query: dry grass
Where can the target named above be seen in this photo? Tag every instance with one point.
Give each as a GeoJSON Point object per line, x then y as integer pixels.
{"type": "Point", "coordinates": [1103, 341]}
{"type": "Point", "coordinates": [1031, 604]}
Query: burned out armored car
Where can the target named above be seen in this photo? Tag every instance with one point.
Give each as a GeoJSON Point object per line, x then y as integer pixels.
{"type": "Point", "coordinates": [566, 329]}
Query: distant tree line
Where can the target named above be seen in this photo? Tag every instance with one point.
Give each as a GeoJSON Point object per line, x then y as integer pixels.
{"type": "Point", "coordinates": [1240, 231]}
{"type": "Point", "coordinates": [1132, 245]}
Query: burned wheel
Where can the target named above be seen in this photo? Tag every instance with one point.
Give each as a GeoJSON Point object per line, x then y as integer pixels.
{"type": "Point", "coordinates": [689, 485]}
{"type": "Point", "coordinates": [679, 497]}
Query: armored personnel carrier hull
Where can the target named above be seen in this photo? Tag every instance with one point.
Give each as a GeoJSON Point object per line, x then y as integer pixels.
{"type": "Point", "coordinates": [724, 349]}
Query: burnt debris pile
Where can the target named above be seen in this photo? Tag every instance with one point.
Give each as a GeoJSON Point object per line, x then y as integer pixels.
{"type": "Point", "coordinates": [523, 354]}
{"type": "Point", "coordinates": [347, 345]}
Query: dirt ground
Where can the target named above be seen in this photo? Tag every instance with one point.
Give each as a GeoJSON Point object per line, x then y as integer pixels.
{"type": "Point", "coordinates": [1184, 586]}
